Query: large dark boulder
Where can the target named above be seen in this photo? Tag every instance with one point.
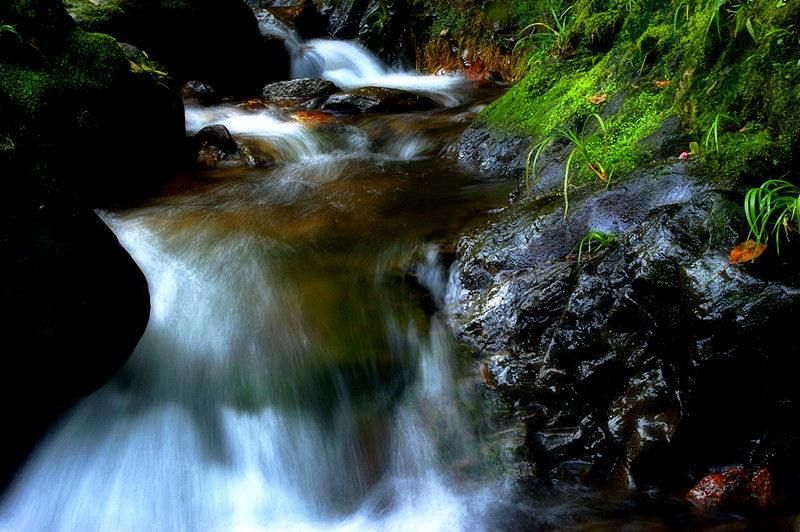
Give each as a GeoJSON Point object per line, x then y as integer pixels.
{"type": "Point", "coordinates": [75, 305]}
{"type": "Point", "coordinates": [218, 43]}
{"type": "Point", "coordinates": [645, 363]}
{"type": "Point", "coordinates": [72, 110]}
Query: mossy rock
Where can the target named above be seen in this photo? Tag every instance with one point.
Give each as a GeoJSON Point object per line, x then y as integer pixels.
{"type": "Point", "coordinates": [218, 43]}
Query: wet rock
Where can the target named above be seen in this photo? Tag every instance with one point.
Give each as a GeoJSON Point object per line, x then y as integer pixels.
{"type": "Point", "coordinates": [208, 156]}
{"type": "Point", "coordinates": [76, 305]}
{"type": "Point", "coordinates": [475, 71]}
{"type": "Point", "coordinates": [199, 93]}
{"type": "Point", "coordinates": [313, 117]}
{"type": "Point", "coordinates": [216, 135]}
{"type": "Point", "coordinates": [733, 489]}
{"type": "Point", "coordinates": [300, 89]}
{"type": "Point", "coordinates": [211, 145]}
{"type": "Point", "coordinates": [493, 151]}
{"type": "Point", "coordinates": [376, 100]}
{"type": "Point", "coordinates": [627, 356]}
{"type": "Point", "coordinates": [255, 156]}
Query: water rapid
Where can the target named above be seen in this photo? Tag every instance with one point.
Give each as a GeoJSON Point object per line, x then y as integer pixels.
{"type": "Point", "coordinates": [294, 374]}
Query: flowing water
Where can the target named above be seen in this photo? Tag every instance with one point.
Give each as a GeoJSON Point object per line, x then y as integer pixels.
{"type": "Point", "coordinates": [293, 374]}
{"type": "Point", "coordinates": [296, 373]}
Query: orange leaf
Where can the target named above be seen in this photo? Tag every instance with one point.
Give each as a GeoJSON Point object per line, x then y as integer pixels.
{"type": "Point", "coordinates": [662, 84]}
{"type": "Point", "coordinates": [597, 98]}
{"type": "Point", "coordinates": [746, 251]}
{"type": "Point", "coordinates": [487, 377]}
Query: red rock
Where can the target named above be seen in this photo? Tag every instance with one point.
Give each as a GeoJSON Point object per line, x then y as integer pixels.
{"type": "Point", "coordinates": [734, 487]}
{"type": "Point", "coordinates": [761, 487]}
{"type": "Point", "coordinates": [716, 491]}
{"type": "Point", "coordinates": [475, 70]}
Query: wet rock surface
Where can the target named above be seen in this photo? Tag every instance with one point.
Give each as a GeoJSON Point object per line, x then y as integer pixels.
{"type": "Point", "coordinates": [642, 364]}
{"type": "Point", "coordinates": [376, 100]}
{"type": "Point", "coordinates": [300, 89]}
{"type": "Point", "coordinates": [734, 488]}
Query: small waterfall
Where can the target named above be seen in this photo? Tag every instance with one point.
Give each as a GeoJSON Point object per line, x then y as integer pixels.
{"type": "Point", "coordinates": [350, 65]}
{"type": "Point", "coordinates": [288, 378]}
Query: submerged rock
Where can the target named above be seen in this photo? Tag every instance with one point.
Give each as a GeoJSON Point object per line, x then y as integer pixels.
{"type": "Point", "coordinates": [620, 362]}
{"type": "Point", "coordinates": [377, 100]}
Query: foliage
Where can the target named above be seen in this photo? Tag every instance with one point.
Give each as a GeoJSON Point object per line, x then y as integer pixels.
{"type": "Point", "coordinates": [745, 13]}
{"type": "Point", "coordinates": [596, 163]}
{"type": "Point", "coordinates": [9, 28]}
{"type": "Point", "coordinates": [602, 241]}
{"type": "Point", "coordinates": [733, 118]}
{"type": "Point", "coordinates": [554, 40]}
{"type": "Point", "coordinates": [716, 7]}
{"type": "Point", "coordinates": [770, 207]}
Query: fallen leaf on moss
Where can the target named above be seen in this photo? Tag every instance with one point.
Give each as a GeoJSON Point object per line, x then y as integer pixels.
{"type": "Point", "coordinates": [597, 98]}
{"type": "Point", "coordinates": [662, 84]}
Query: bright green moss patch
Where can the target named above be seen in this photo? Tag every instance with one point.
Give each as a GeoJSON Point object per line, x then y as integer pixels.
{"type": "Point", "coordinates": [92, 62]}
{"type": "Point", "coordinates": [690, 61]}
{"type": "Point", "coordinates": [26, 91]}
{"type": "Point", "coordinates": [89, 64]}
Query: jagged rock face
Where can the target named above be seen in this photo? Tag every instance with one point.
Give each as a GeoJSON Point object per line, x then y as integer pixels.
{"type": "Point", "coordinates": [641, 364]}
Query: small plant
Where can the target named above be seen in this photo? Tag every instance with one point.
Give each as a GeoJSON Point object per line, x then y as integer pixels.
{"type": "Point", "coordinates": [553, 41]}
{"type": "Point", "coordinates": [602, 241]}
{"type": "Point", "coordinates": [745, 13]}
{"type": "Point", "coordinates": [775, 204]}
{"type": "Point", "coordinates": [715, 16]}
{"type": "Point", "coordinates": [598, 165]}
{"type": "Point", "coordinates": [682, 4]}
{"type": "Point", "coordinates": [10, 29]}
{"type": "Point", "coordinates": [733, 118]}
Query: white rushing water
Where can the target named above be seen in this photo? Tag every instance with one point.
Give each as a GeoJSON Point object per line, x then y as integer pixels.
{"type": "Point", "coordinates": [271, 390]}
{"type": "Point", "coordinates": [350, 65]}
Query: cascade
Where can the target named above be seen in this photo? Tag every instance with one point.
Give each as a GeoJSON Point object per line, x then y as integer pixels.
{"type": "Point", "coordinates": [288, 378]}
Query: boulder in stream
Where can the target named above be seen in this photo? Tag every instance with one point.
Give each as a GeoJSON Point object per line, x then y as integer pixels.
{"type": "Point", "coordinates": [300, 89]}
{"type": "Point", "coordinates": [377, 100]}
{"type": "Point", "coordinates": [76, 305]}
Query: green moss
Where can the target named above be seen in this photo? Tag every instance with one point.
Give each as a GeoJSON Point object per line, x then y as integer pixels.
{"type": "Point", "coordinates": [744, 154]}
{"type": "Point", "coordinates": [27, 92]}
{"type": "Point", "coordinates": [92, 62]}
{"type": "Point", "coordinates": [752, 74]}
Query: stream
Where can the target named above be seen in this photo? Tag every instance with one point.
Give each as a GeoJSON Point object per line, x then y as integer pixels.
{"type": "Point", "coordinates": [297, 372]}
{"type": "Point", "coordinates": [294, 373]}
